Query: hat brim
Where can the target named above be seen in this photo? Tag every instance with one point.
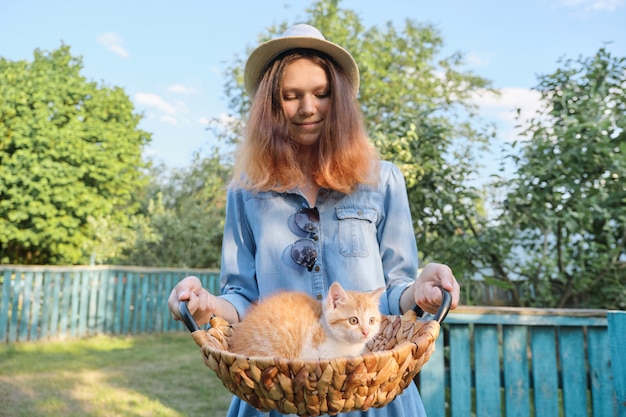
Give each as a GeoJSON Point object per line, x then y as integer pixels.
{"type": "Point", "coordinates": [266, 52]}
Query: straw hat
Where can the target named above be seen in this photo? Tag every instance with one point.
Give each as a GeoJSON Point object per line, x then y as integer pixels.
{"type": "Point", "coordinates": [298, 36]}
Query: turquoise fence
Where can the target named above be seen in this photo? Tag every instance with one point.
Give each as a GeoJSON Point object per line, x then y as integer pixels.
{"type": "Point", "coordinates": [506, 362]}
{"type": "Point", "coordinates": [43, 302]}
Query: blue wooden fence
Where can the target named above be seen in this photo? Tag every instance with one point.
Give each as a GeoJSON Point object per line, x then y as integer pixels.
{"type": "Point", "coordinates": [67, 302]}
{"type": "Point", "coordinates": [492, 361]}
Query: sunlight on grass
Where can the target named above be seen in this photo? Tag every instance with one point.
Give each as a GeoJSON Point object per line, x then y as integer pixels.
{"type": "Point", "coordinates": [156, 375]}
{"type": "Point", "coordinates": [93, 388]}
{"type": "Point", "coordinates": [98, 343]}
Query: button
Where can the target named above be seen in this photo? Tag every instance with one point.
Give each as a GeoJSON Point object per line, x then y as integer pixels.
{"type": "Point", "coordinates": [317, 268]}
{"type": "Point", "coordinates": [319, 296]}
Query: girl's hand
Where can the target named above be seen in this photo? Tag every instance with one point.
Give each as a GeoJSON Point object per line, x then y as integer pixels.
{"type": "Point", "coordinates": [200, 302]}
{"type": "Point", "coordinates": [426, 289]}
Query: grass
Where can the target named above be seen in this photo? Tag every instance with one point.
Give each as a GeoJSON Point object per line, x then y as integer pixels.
{"type": "Point", "coordinates": [148, 375]}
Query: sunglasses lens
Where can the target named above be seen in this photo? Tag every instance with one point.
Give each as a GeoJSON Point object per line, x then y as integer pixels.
{"type": "Point", "coordinates": [304, 252]}
{"type": "Point", "coordinates": [307, 219]}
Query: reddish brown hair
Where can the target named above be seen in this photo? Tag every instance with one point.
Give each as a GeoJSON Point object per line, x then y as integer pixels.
{"type": "Point", "coordinates": [268, 159]}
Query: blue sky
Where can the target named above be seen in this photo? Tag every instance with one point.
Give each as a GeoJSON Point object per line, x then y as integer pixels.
{"type": "Point", "coordinates": [169, 56]}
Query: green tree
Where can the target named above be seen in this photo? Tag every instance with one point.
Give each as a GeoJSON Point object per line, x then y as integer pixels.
{"type": "Point", "coordinates": [419, 114]}
{"type": "Point", "coordinates": [186, 213]}
{"type": "Point", "coordinates": [418, 106]}
{"type": "Point", "coordinates": [70, 161]}
{"type": "Point", "coordinates": [566, 201]}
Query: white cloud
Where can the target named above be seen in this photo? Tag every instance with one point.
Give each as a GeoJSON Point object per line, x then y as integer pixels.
{"type": "Point", "coordinates": [503, 108]}
{"type": "Point", "coordinates": [153, 100]}
{"type": "Point", "coordinates": [222, 122]}
{"type": "Point", "coordinates": [180, 88]}
{"type": "Point", "coordinates": [169, 119]}
{"type": "Point", "coordinates": [511, 98]}
{"type": "Point", "coordinates": [476, 60]}
{"type": "Point", "coordinates": [181, 107]}
{"type": "Point", "coordinates": [588, 5]}
{"type": "Point", "coordinates": [113, 42]}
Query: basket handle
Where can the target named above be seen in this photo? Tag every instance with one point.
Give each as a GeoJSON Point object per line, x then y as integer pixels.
{"type": "Point", "coordinates": [444, 308]}
{"type": "Point", "coordinates": [187, 318]}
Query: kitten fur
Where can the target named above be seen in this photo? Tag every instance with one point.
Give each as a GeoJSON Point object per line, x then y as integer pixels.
{"type": "Point", "coordinates": [295, 325]}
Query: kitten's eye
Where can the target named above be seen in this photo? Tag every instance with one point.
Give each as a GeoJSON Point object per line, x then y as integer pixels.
{"type": "Point", "coordinates": [372, 320]}
{"type": "Point", "coordinates": [353, 320]}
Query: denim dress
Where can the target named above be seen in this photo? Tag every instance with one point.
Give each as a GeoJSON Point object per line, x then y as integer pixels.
{"type": "Point", "coordinates": [364, 240]}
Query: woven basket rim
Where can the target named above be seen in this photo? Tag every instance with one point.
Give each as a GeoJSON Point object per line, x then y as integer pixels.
{"type": "Point", "coordinates": [372, 379]}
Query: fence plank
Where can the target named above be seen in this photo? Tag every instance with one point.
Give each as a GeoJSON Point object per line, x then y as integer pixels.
{"type": "Point", "coordinates": [108, 303]}
{"type": "Point", "coordinates": [55, 303]}
{"type": "Point", "coordinates": [35, 308]}
{"type": "Point", "coordinates": [160, 302]}
{"type": "Point", "coordinates": [26, 304]}
{"type": "Point", "coordinates": [573, 370]}
{"type": "Point", "coordinates": [136, 303]}
{"type": "Point", "coordinates": [92, 288]}
{"type": "Point", "coordinates": [154, 316]}
{"type": "Point", "coordinates": [545, 372]}
{"type": "Point", "coordinates": [215, 284]}
{"type": "Point", "coordinates": [168, 322]}
{"type": "Point", "coordinates": [47, 290]}
{"type": "Point", "coordinates": [460, 377]}
{"type": "Point", "coordinates": [144, 300]}
{"type": "Point", "coordinates": [617, 330]}
{"type": "Point", "coordinates": [600, 371]}
{"type": "Point", "coordinates": [101, 298]}
{"type": "Point", "coordinates": [119, 302]}
{"type": "Point", "coordinates": [487, 370]}
{"type": "Point", "coordinates": [83, 315]}
{"type": "Point", "coordinates": [129, 299]}
{"type": "Point", "coordinates": [66, 303]}
{"type": "Point", "coordinates": [516, 382]}
{"type": "Point", "coordinates": [4, 304]}
{"type": "Point", "coordinates": [75, 300]}
{"type": "Point", "coordinates": [15, 299]}
{"type": "Point", "coordinates": [433, 381]}
{"type": "Point", "coordinates": [153, 291]}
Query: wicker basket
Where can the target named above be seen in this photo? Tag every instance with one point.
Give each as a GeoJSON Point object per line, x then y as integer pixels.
{"type": "Point", "coordinates": [323, 386]}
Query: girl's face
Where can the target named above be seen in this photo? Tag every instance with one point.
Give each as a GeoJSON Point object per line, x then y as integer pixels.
{"type": "Point", "coordinates": [305, 100]}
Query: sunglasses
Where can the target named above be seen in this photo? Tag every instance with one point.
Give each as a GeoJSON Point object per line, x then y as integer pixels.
{"type": "Point", "coordinates": [304, 251]}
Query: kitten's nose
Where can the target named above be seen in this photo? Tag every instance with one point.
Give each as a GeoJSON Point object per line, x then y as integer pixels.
{"type": "Point", "coordinates": [365, 331]}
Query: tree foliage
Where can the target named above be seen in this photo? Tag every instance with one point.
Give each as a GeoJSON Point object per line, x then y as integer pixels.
{"type": "Point", "coordinates": [417, 105]}
{"type": "Point", "coordinates": [566, 200]}
{"type": "Point", "coordinates": [186, 213]}
{"type": "Point", "coordinates": [70, 159]}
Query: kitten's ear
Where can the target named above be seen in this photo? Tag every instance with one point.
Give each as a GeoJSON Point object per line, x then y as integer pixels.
{"type": "Point", "coordinates": [377, 293]}
{"type": "Point", "coordinates": [336, 295]}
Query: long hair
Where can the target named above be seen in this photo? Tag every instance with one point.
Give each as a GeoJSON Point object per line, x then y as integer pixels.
{"type": "Point", "coordinates": [268, 159]}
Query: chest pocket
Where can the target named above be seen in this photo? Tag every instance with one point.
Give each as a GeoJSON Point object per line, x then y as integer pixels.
{"type": "Point", "coordinates": [357, 230]}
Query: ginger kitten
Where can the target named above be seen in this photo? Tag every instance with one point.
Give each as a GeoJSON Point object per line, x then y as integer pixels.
{"type": "Point", "coordinates": [296, 325]}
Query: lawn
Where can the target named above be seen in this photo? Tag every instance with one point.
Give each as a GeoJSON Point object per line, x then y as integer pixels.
{"type": "Point", "coordinates": [149, 375]}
